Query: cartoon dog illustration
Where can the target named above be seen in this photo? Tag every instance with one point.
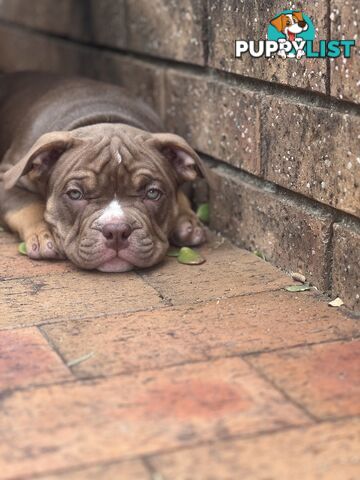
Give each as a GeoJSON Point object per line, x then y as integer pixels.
{"type": "Point", "coordinates": [290, 24]}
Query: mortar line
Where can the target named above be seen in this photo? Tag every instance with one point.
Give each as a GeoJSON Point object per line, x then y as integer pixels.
{"type": "Point", "coordinates": [131, 312]}
{"type": "Point", "coordinates": [86, 380]}
{"type": "Point", "coordinates": [55, 349]}
{"type": "Point", "coordinates": [280, 390]}
{"type": "Point", "coordinates": [168, 451]}
{"type": "Point", "coordinates": [263, 183]}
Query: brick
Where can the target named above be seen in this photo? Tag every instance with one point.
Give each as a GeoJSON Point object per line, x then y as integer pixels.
{"type": "Point", "coordinates": [244, 273]}
{"type": "Point", "coordinates": [15, 265]}
{"type": "Point", "coordinates": [324, 378]}
{"type": "Point", "coordinates": [167, 29]}
{"type": "Point", "coordinates": [313, 151]}
{"type": "Point", "coordinates": [322, 452]}
{"type": "Point", "coordinates": [218, 119]}
{"type": "Point", "coordinates": [27, 359]}
{"type": "Point", "coordinates": [140, 78]}
{"type": "Point", "coordinates": [231, 20]}
{"type": "Point", "coordinates": [125, 470]}
{"type": "Point", "coordinates": [345, 20]}
{"type": "Point", "coordinates": [97, 22]}
{"type": "Point", "coordinates": [46, 298]}
{"type": "Point", "coordinates": [136, 415]}
{"type": "Point", "coordinates": [239, 325]}
{"type": "Point", "coordinates": [290, 234]}
{"type": "Point", "coordinates": [346, 264]}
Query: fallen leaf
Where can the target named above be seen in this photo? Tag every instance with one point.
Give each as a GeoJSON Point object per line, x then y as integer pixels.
{"type": "Point", "coordinates": [190, 257]}
{"type": "Point", "coordinates": [22, 248]}
{"type": "Point", "coordinates": [298, 288]}
{"type": "Point", "coordinates": [203, 212]}
{"type": "Point", "coordinates": [299, 277]}
{"type": "Point", "coordinates": [173, 252]}
{"type": "Point", "coordinates": [259, 254]}
{"type": "Point", "coordinates": [337, 302]}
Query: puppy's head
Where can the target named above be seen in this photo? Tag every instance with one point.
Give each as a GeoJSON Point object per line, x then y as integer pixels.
{"type": "Point", "coordinates": [290, 24]}
{"type": "Point", "coordinates": [110, 191]}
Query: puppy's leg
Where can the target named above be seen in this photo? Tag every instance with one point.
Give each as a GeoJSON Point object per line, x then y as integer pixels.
{"type": "Point", "coordinates": [23, 213]}
{"type": "Point", "coordinates": [188, 230]}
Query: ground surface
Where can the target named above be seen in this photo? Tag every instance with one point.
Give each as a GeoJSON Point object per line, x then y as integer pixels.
{"type": "Point", "coordinates": [180, 372]}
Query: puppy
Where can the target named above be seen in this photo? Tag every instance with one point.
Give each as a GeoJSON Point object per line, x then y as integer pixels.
{"type": "Point", "coordinates": [88, 174]}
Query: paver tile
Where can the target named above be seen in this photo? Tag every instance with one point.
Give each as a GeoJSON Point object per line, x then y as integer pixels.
{"type": "Point", "coordinates": [322, 452]}
{"type": "Point", "coordinates": [15, 265]}
{"type": "Point", "coordinates": [27, 359]}
{"type": "Point", "coordinates": [46, 298]}
{"type": "Point", "coordinates": [146, 340]}
{"type": "Point", "coordinates": [324, 378]}
{"type": "Point", "coordinates": [228, 272]}
{"type": "Point", "coordinates": [73, 424]}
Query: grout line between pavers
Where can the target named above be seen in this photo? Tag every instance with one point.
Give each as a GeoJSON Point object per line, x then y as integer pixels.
{"type": "Point", "coordinates": [148, 456]}
{"type": "Point", "coordinates": [130, 312]}
{"type": "Point", "coordinates": [280, 390]}
{"type": "Point", "coordinates": [54, 348]}
{"type": "Point", "coordinates": [78, 379]}
{"type": "Point", "coordinates": [346, 339]}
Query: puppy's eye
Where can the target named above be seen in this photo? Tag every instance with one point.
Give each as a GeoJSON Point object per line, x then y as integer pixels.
{"type": "Point", "coordinates": [153, 194]}
{"type": "Point", "coordinates": [75, 194]}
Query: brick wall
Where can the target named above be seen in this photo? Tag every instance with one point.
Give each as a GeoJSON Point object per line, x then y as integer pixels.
{"type": "Point", "coordinates": [282, 137]}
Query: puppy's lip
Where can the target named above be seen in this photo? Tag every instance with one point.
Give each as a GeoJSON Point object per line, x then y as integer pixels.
{"type": "Point", "coordinates": [115, 265]}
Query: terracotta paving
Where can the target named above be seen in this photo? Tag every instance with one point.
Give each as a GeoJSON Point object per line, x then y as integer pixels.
{"type": "Point", "coordinates": [210, 372]}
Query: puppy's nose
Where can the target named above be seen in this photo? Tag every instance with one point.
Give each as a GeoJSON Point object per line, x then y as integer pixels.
{"type": "Point", "coordinates": [302, 23]}
{"type": "Point", "coordinates": [116, 234]}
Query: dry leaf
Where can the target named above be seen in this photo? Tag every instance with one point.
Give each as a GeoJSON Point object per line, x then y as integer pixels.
{"type": "Point", "coordinates": [337, 302]}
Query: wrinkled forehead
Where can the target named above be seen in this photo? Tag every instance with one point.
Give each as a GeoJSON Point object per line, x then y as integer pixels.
{"type": "Point", "coordinates": [117, 160]}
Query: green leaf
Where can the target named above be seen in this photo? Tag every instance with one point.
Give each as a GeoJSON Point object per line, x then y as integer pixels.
{"type": "Point", "coordinates": [173, 252]}
{"type": "Point", "coordinates": [203, 212]}
{"type": "Point", "coordinates": [2, 229]}
{"type": "Point", "coordinates": [22, 248]}
{"type": "Point", "coordinates": [298, 288]}
{"type": "Point", "coordinates": [190, 257]}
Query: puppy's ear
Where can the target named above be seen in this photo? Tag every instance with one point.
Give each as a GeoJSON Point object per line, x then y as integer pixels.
{"type": "Point", "coordinates": [182, 157]}
{"type": "Point", "coordinates": [298, 16]}
{"type": "Point", "coordinates": [40, 159]}
{"type": "Point", "coordinates": [279, 22]}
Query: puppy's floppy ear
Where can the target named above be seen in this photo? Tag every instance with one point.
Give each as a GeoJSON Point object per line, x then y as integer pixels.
{"type": "Point", "coordinates": [298, 16]}
{"type": "Point", "coordinates": [279, 22]}
{"type": "Point", "coordinates": [182, 157]}
{"type": "Point", "coordinates": [40, 159]}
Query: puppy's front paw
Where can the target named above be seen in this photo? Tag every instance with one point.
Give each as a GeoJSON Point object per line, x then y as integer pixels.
{"type": "Point", "coordinates": [40, 245]}
{"type": "Point", "coordinates": [189, 232]}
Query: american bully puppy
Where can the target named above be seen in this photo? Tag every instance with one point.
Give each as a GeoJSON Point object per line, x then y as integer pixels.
{"type": "Point", "coordinates": [290, 25]}
{"type": "Point", "coordinates": [88, 174]}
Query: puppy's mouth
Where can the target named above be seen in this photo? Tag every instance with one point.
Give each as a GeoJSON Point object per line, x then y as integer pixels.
{"type": "Point", "coordinates": [291, 36]}
{"type": "Point", "coordinates": [115, 265]}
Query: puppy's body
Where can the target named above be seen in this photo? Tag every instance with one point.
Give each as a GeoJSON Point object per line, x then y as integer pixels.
{"type": "Point", "coordinates": [60, 136]}
{"type": "Point", "coordinates": [32, 104]}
